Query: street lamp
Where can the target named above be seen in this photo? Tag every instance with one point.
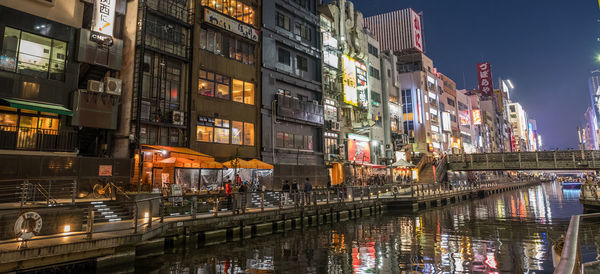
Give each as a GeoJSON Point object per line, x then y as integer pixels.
{"type": "Point", "coordinates": [580, 142]}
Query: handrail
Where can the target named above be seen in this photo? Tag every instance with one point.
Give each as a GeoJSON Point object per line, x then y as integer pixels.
{"type": "Point", "coordinates": [119, 189]}
{"type": "Point", "coordinates": [45, 193]}
{"type": "Point", "coordinates": [569, 256]}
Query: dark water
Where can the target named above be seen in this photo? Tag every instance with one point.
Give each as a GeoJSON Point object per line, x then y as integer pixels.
{"type": "Point", "coordinates": [510, 232]}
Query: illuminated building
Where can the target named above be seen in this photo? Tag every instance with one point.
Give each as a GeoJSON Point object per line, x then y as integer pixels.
{"type": "Point", "coordinates": [518, 120]}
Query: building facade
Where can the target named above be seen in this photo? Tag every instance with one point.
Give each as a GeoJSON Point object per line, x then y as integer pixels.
{"type": "Point", "coordinates": [292, 113]}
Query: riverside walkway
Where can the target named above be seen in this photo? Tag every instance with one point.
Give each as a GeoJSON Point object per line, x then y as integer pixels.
{"type": "Point", "coordinates": [204, 219]}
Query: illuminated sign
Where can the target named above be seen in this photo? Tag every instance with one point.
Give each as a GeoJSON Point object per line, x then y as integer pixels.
{"type": "Point", "coordinates": [230, 24]}
{"type": "Point", "coordinates": [464, 117]}
{"type": "Point", "coordinates": [446, 126]}
{"type": "Point", "coordinates": [476, 117]}
{"type": "Point", "coordinates": [330, 45]}
{"type": "Point", "coordinates": [330, 58]}
{"type": "Point", "coordinates": [361, 85]}
{"type": "Point", "coordinates": [349, 80]}
{"type": "Point", "coordinates": [484, 73]}
{"type": "Point", "coordinates": [417, 33]}
{"type": "Point", "coordinates": [358, 148]}
{"type": "Point", "coordinates": [499, 98]}
{"type": "Point", "coordinates": [103, 21]}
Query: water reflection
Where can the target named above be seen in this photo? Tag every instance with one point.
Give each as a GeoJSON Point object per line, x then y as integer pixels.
{"type": "Point", "coordinates": [508, 232]}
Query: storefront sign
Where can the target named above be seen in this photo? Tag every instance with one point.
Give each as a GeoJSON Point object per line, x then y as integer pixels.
{"type": "Point", "coordinates": [484, 73]}
{"type": "Point", "coordinates": [417, 32]}
{"type": "Point", "coordinates": [105, 170]}
{"type": "Point", "coordinates": [358, 148]}
{"type": "Point", "coordinates": [103, 23]}
{"type": "Point", "coordinates": [349, 81]}
{"type": "Point", "coordinates": [361, 85]}
{"type": "Point", "coordinates": [229, 24]}
{"type": "Point", "coordinates": [476, 117]}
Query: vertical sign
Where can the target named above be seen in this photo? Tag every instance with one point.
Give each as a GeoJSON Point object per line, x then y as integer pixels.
{"type": "Point", "coordinates": [361, 85]}
{"type": "Point", "coordinates": [417, 31]}
{"type": "Point", "coordinates": [349, 80]}
{"type": "Point", "coordinates": [103, 23]}
{"type": "Point", "coordinates": [476, 117]}
{"type": "Point", "coordinates": [484, 73]}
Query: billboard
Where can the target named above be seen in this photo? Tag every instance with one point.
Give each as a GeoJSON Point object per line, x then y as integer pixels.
{"type": "Point", "coordinates": [330, 46]}
{"type": "Point", "coordinates": [464, 117]}
{"type": "Point", "coordinates": [103, 21]}
{"type": "Point", "coordinates": [484, 73]}
{"type": "Point", "coordinates": [229, 24]}
{"type": "Point", "coordinates": [476, 117]}
{"type": "Point", "coordinates": [361, 85]}
{"type": "Point", "coordinates": [446, 121]}
{"type": "Point", "coordinates": [358, 148]}
{"type": "Point", "coordinates": [417, 31]}
{"type": "Point", "coordinates": [349, 80]}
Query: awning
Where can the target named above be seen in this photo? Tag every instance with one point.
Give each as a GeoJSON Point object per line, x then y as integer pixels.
{"type": "Point", "coordinates": [185, 152]}
{"type": "Point", "coordinates": [260, 164]}
{"type": "Point", "coordinates": [38, 106]}
{"type": "Point", "coordinates": [402, 163]}
{"type": "Point", "coordinates": [238, 163]}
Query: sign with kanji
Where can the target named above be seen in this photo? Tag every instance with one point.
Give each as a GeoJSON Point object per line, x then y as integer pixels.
{"type": "Point", "coordinates": [484, 73]}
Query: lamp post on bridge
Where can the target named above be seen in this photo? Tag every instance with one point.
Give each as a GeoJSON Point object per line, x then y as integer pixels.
{"type": "Point", "coordinates": [580, 143]}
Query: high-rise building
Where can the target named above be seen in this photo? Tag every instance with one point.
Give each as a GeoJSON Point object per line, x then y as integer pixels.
{"type": "Point", "coordinates": [590, 132]}
{"type": "Point", "coordinates": [375, 101]}
{"type": "Point", "coordinates": [392, 107]}
{"type": "Point", "coordinates": [518, 120]}
{"type": "Point", "coordinates": [450, 130]}
{"type": "Point", "coordinates": [292, 113]}
{"type": "Point", "coordinates": [398, 30]}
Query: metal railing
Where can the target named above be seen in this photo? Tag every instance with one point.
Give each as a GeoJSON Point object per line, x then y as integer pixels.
{"type": "Point", "coordinates": [572, 159]}
{"type": "Point", "coordinates": [12, 137]}
{"type": "Point", "coordinates": [570, 256]}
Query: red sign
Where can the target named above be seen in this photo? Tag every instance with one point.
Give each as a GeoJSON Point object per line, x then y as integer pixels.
{"type": "Point", "coordinates": [417, 31]}
{"type": "Point", "coordinates": [484, 72]}
{"type": "Point", "coordinates": [476, 117]}
{"type": "Point", "coordinates": [105, 170]}
{"type": "Point", "coordinates": [359, 151]}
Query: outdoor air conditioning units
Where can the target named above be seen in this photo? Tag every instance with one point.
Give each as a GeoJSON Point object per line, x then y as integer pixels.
{"type": "Point", "coordinates": [177, 118]}
{"type": "Point", "coordinates": [95, 86]}
{"type": "Point", "coordinates": [112, 86]}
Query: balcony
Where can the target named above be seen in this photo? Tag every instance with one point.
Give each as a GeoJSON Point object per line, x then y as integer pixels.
{"type": "Point", "coordinates": [23, 138]}
{"type": "Point", "coordinates": [293, 108]}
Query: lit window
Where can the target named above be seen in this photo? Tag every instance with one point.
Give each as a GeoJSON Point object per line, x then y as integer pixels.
{"type": "Point", "coordinates": [238, 91]}
{"type": "Point", "coordinates": [249, 93]}
{"type": "Point", "coordinates": [204, 134]}
{"type": "Point", "coordinates": [221, 131]}
{"type": "Point", "coordinates": [248, 134]}
{"type": "Point", "coordinates": [236, 132]}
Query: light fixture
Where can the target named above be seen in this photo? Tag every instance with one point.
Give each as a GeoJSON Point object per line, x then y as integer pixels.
{"type": "Point", "coordinates": [67, 228]}
{"type": "Point", "coordinates": [163, 152]}
{"type": "Point", "coordinates": [146, 215]}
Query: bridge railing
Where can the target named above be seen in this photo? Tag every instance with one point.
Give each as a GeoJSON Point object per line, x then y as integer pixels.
{"type": "Point", "coordinates": [572, 159]}
{"type": "Point", "coordinates": [568, 248]}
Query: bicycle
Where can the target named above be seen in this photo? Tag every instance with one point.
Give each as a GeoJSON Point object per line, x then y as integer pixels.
{"type": "Point", "coordinates": [102, 191]}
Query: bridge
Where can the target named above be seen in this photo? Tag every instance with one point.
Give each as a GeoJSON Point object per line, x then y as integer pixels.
{"type": "Point", "coordinates": [539, 160]}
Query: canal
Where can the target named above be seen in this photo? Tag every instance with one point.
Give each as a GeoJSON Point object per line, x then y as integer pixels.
{"type": "Point", "coordinates": [507, 232]}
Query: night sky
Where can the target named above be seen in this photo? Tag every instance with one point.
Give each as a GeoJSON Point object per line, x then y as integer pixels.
{"type": "Point", "coordinates": [547, 49]}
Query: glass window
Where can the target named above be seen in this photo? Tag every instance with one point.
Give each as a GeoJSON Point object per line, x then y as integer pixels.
{"type": "Point", "coordinates": [309, 143]}
{"type": "Point", "coordinates": [302, 63]}
{"type": "Point", "coordinates": [221, 131]}
{"type": "Point", "coordinates": [298, 141]}
{"type": "Point", "coordinates": [251, 54]}
{"type": "Point", "coordinates": [249, 93]}
{"type": "Point", "coordinates": [238, 91]}
{"type": "Point", "coordinates": [289, 142]}
{"type": "Point", "coordinates": [283, 21]}
{"type": "Point", "coordinates": [283, 56]}
{"type": "Point", "coordinates": [34, 55]}
{"type": "Point", "coordinates": [10, 46]}
{"type": "Point", "coordinates": [218, 43]}
{"type": "Point", "coordinates": [222, 87]}
{"type": "Point", "coordinates": [206, 85]}
{"type": "Point", "coordinates": [202, 38]}
{"type": "Point", "coordinates": [236, 132]}
{"type": "Point", "coordinates": [210, 46]}
{"type": "Point", "coordinates": [8, 120]}
{"type": "Point", "coordinates": [248, 134]}
{"type": "Point", "coordinates": [58, 59]}
{"type": "Point", "coordinates": [280, 139]}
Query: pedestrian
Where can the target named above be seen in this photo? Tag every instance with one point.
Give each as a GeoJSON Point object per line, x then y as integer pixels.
{"type": "Point", "coordinates": [307, 191]}
{"type": "Point", "coordinates": [294, 191]}
{"type": "Point", "coordinates": [228, 193]}
{"type": "Point", "coordinates": [285, 190]}
{"type": "Point", "coordinates": [242, 198]}
{"type": "Point", "coordinates": [238, 180]}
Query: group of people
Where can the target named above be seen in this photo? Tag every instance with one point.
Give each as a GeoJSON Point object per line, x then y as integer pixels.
{"type": "Point", "coordinates": [292, 190]}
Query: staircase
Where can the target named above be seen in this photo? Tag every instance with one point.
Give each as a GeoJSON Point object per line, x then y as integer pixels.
{"type": "Point", "coordinates": [426, 174]}
{"type": "Point", "coordinates": [108, 211]}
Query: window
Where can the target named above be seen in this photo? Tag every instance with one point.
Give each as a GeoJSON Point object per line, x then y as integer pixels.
{"type": "Point", "coordinates": [298, 141]}
{"type": "Point", "coordinates": [513, 109]}
{"type": "Point", "coordinates": [248, 93]}
{"type": "Point", "coordinates": [237, 129]}
{"type": "Point", "coordinates": [450, 102]}
{"type": "Point", "coordinates": [223, 85]}
{"type": "Point", "coordinates": [288, 140]}
{"type": "Point", "coordinates": [407, 106]}
{"type": "Point", "coordinates": [283, 21]}
{"type": "Point", "coordinates": [220, 86]}
{"type": "Point", "coordinates": [302, 63]}
{"type": "Point", "coordinates": [227, 46]}
{"type": "Point", "coordinates": [280, 139]}
{"type": "Point", "coordinates": [373, 50]}
{"type": "Point", "coordinates": [204, 134]}
{"type": "Point", "coordinates": [248, 134]}
{"type": "Point", "coordinates": [206, 83]}
{"type": "Point", "coordinates": [374, 72]}
{"type": "Point", "coordinates": [283, 56]}
{"type": "Point", "coordinates": [232, 8]}
{"type": "Point", "coordinates": [375, 98]}
{"type": "Point", "coordinates": [33, 55]}
{"type": "Point", "coordinates": [221, 131]}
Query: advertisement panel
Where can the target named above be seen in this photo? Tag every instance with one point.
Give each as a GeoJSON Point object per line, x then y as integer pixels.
{"type": "Point", "coordinates": [358, 148]}
{"type": "Point", "coordinates": [229, 24]}
{"type": "Point", "coordinates": [499, 100]}
{"type": "Point", "coordinates": [361, 85]}
{"type": "Point", "coordinates": [349, 80]}
{"type": "Point", "coordinates": [476, 117]}
{"type": "Point", "coordinates": [446, 123]}
{"type": "Point", "coordinates": [417, 31]}
{"type": "Point", "coordinates": [330, 45]}
{"type": "Point", "coordinates": [484, 73]}
{"type": "Point", "coordinates": [464, 117]}
{"type": "Point", "coordinates": [103, 21]}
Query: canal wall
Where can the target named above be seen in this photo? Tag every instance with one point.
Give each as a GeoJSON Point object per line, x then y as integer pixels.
{"type": "Point", "coordinates": [106, 251]}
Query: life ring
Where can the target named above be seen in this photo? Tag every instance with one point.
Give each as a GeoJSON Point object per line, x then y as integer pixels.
{"type": "Point", "coordinates": [23, 225]}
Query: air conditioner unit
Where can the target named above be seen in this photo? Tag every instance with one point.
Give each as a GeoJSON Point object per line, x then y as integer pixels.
{"type": "Point", "coordinates": [95, 86]}
{"type": "Point", "coordinates": [112, 86]}
{"type": "Point", "coordinates": [177, 118]}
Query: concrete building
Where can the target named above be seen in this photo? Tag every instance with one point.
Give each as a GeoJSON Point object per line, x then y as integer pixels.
{"type": "Point", "coordinates": [292, 113]}
{"type": "Point", "coordinates": [393, 117]}
{"type": "Point", "coordinates": [377, 134]}
{"type": "Point", "coordinates": [450, 129]}
{"type": "Point", "coordinates": [225, 105]}
{"type": "Point", "coordinates": [398, 31]}
{"type": "Point", "coordinates": [518, 120]}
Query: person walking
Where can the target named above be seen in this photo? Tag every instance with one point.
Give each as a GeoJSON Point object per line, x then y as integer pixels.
{"type": "Point", "coordinates": [241, 208]}
{"type": "Point", "coordinates": [307, 191]}
{"type": "Point", "coordinates": [228, 193]}
{"type": "Point", "coordinates": [294, 191]}
{"type": "Point", "coordinates": [285, 190]}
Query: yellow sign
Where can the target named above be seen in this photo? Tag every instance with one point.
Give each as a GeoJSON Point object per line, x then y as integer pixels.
{"type": "Point", "coordinates": [349, 68]}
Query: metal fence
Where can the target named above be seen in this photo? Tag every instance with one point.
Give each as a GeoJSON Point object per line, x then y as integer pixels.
{"type": "Point", "coordinates": [24, 138]}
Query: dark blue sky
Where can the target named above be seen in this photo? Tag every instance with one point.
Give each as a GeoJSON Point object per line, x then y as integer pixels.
{"type": "Point", "coordinates": [546, 47]}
